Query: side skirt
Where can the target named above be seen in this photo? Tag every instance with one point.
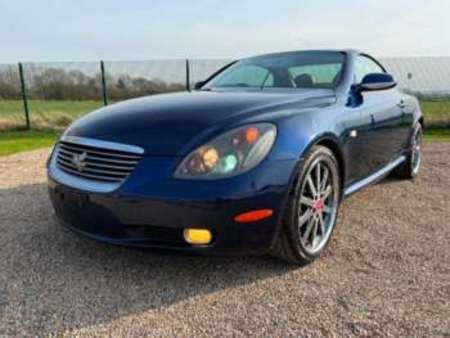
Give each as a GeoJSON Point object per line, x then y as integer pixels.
{"type": "Point", "coordinates": [376, 176]}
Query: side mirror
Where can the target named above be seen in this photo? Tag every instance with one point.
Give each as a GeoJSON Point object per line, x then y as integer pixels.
{"type": "Point", "coordinates": [199, 85]}
{"type": "Point", "coordinates": [377, 81]}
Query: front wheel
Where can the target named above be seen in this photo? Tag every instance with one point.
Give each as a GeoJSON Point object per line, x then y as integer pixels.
{"type": "Point", "coordinates": [312, 210]}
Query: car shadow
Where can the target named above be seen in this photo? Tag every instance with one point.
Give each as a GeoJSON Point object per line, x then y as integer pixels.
{"type": "Point", "coordinates": [392, 178]}
{"type": "Point", "coordinates": [54, 280]}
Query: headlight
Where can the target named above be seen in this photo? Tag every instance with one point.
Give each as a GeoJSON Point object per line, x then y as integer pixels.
{"type": "Point", "coordinates": [230, 154]}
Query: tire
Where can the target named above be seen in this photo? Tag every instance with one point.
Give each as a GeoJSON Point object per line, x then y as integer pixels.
{"type": "Point", "coordinates": [311, 213]}
{"type": "Point", "coordinates": [410, 168]}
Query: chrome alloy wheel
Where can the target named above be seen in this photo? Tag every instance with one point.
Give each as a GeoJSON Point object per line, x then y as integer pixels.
{"type": "Point", "coordinates": [416, 151]}
{"type": "Point", "coordinates": [317, 209]}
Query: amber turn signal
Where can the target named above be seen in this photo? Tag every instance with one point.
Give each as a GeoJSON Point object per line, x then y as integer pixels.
{"type": "Point", "coordinates": [251, 135]}
{"type": "Point", "coordinates": [253, 216]}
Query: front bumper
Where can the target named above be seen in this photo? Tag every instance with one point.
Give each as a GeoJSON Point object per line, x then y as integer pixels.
{"type": "Point", "coordinates": [151, 209]}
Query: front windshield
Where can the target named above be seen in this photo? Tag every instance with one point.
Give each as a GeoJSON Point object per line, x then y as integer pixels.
{"type": "Point", "coordinates": [321, 70]}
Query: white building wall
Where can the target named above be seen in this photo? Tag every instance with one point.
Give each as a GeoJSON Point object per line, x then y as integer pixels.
{"type": "Point", "coordinates": [428, 75]}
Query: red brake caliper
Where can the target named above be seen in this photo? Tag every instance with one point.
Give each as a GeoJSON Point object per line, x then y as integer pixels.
{"type": "Point", "coordinates": [318, 205]}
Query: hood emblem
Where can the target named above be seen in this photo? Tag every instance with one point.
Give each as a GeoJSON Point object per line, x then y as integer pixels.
{"type": "Point", "coordinates": [78, 160]}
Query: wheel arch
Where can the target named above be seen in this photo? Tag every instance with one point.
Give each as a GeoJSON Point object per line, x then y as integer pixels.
{"type": "Point", "coordinates": [422, 122]}
{"type": "Point", "coordinates": [331, 142]}
{"type": "Point", "coordinates": [333, 145]}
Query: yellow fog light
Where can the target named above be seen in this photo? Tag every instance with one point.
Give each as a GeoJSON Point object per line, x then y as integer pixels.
{"type": "Point", "coordinates": [197, 236]}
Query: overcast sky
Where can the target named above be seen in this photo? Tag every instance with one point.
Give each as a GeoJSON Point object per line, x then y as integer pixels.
{"type": "Point", "coordinates": [78, 30]}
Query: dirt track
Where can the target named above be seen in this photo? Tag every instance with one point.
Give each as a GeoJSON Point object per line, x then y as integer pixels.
{"type": "Point", "coordinates": [387, 271]}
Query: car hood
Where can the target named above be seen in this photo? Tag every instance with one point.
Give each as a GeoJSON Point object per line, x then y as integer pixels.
{"type": "Point", "coordinates": [165, 124]}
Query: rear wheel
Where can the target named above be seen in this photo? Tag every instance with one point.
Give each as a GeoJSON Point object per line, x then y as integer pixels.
{"type": "Point", "coordinates": [410, 168]}
{"type": "Point", "coordinates": [312, 210]}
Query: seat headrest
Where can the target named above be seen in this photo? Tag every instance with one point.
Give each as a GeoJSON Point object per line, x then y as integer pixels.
{"type": "Point", "coordinates": [304, 81]}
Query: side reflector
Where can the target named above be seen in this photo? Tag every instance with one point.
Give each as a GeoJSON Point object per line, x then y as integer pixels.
{"type": "Point", "coordinates": [197, 236]}
{"type": "Point", "coordinates": [253, 216]}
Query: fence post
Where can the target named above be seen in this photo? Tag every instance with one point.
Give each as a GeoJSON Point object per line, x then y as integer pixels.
{"type": "Point", "coordinates": [188, 76]}
{"type": "Point", "coordinates": [24, 96]}
{"type": "Point", "coordinates": [105, 95]}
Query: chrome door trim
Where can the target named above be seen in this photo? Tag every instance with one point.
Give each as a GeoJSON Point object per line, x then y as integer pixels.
{"type": "Point", "coordinates": [374, 177]}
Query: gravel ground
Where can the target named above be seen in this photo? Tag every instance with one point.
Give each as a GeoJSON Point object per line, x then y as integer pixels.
{"type": "Point", "coordinates": [386, 272]}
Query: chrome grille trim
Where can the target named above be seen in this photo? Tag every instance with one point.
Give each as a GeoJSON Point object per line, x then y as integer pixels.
{"type": "Point", "coordinates": [84, 164]}
{"type": "Point", "coordinates": [67, 159]}
{"type": "Point", "coordinates": [86, 175]}
{"type": "Point", "coordinates": [68, 148]}
{"type": "Point", "coordinates": [103, 144]}
{"type": "Point", "coordinates": [88, 169]}
{"type": "Point", "coordinates": [95, 158]}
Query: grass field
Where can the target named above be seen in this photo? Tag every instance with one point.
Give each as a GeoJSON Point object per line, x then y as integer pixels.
{"type": "Point", "coordinates": [437, 135]}
{"type": "Point", "coordinates": [436, 113]}
{"type": "Point", "coordinates": [17, 141]}
{"type": "Point", "coordinates": [58, 114]}
{"type": "Point", "coordinates": [44, 114]}
{"type": "Point", "coordinates": [50, 117]}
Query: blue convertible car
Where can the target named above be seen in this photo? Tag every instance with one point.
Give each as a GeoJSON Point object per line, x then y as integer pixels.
{"type": "Point", "coordinates": [255, 160]}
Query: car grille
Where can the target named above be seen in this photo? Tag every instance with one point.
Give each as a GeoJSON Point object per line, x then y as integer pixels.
{"type": "Point", "coordinates": [95, 163]}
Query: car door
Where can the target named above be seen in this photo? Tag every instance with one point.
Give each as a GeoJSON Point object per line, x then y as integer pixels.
{"type": "Point", "coordinates": [353, 126]}
{"type": "Point", "coordinates": [382, 118]}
